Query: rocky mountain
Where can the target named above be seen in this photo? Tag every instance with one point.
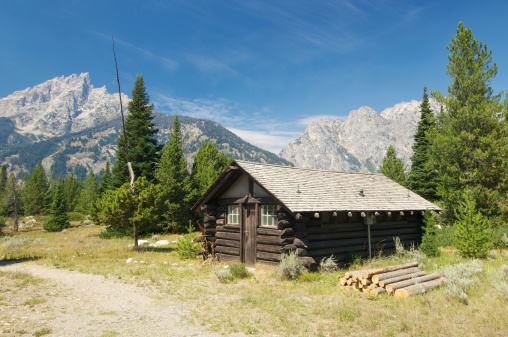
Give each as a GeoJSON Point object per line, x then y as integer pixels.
{"type": "Point", "coordinates": [71, 126]}
{"type": "Point", "coordinates": [358, 143]}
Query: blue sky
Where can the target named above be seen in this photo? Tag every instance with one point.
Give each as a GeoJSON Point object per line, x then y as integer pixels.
{"type": "Point", "coordinates": [264, 69]}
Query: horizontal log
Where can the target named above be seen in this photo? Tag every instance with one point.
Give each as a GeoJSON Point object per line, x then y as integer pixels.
{"type": "Point", "coordinates": [268, 256]}
{"type": "Point", "coordinates": [300, 226]}
{"type": "Point", "coordinates": [412, 290]}
{"type": "Point", "coordinates": [313, 245]}
{"type": "Point", "coordinates": [200, 238]}
{"type": "Point", "coordinates": [281, 224]}
{"type": "Point", "coordinates": [209, 224]}
{"type": "Point", "coordinates": [344, 251]}
{"type": "Point", "coordinates": [340, 258]}
{"type": "Point", "coordinates": [379, 277]}
{"type": "Point", "coordinates": [220, 215]}
{"type": "Point", "coordinates": [227, 243]}
{"type": "Point", "coordinates": [273, 240]}
{"type": "Point", "coordinates": [390, 288]}
{"type": "Point", "coordinates": [274, 231]}
{"type": "Point", "coordinates": [301, 252]}
{"type": "Point", "coordinates": [209, 218]}
{"type": "Point", "coordinates": [335, 228]}
{"type": "Point", "coordinates": [283, 216]}
{"type": "Point", "coordinates": [228, 229]}
{"type": "Point", "coordinates": [377, 291]}
{"type": "Point", "coordinates": [300, 234]}
{"type": "Point", "coordinates": [307, 261]}
{"type": "Point", "coordinates": [210, 231]}
{"type": "Point", "coordinates": [232, 226]}
{"type": "Point", "coordinates": [227, 257]}
{"type": "Point", "coordinates": [289, 247]}
{"type": "Point", "coordinates": [228, 236]}
{"type": "Point", "coordinates": [349, 274]}
{"type": "Point", "coordinates": [386, 282]}
{"type": "Point", "coordinates": [228, 250]}
{"type": "Point", "coordinates": [371, 272]}
{"type": "Point", "coordinates": [220, 221]}
{"type": "Point", "coordinates": [396, 232]}
{"type": "Point", "coordinates": [366, 281]}
{"type": "Point", "coordinates": [301, 243]}
{"type": "Point", "coordinates": [270, 249]}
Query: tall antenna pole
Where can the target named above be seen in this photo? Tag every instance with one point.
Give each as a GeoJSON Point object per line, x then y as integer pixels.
{"type": "Point", "coordinates": [129, 166]}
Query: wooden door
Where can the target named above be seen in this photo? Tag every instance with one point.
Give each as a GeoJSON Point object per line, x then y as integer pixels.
{"type": "Point", "coordinates": [249, 235]}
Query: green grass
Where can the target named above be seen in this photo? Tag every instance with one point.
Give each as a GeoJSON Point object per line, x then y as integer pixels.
{"type": "Point", "coordinates": [263, 304]}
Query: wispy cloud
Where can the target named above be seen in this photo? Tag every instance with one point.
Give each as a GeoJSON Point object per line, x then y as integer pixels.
{"type": "Point", "coordinates": [163, 61]}
{"type": "Point", "coordinates": [265, 140]}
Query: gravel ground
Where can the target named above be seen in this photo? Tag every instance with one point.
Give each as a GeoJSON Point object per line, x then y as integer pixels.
{"type": "Point", "coordinates": [70, 303]}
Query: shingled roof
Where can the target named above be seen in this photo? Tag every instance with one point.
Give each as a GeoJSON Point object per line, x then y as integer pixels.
{"type": "Point", "coordinates": [310, 190]}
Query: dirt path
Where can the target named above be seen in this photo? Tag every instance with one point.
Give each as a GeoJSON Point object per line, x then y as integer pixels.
{"type": "Point", "coordinates": [78, 304]}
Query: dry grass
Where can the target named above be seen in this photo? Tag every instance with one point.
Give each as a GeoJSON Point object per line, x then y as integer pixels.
{"type": "Point", "coordinates": [312, 305]}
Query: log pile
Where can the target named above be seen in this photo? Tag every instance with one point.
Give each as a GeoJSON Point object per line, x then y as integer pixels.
{"type": "Point", "coordinates": [401, 280]}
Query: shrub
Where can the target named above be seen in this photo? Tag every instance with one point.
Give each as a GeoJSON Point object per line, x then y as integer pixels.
{"type": "Point", "coordinates": [471, 229]}
{"type": "Point", "coordinates": [224, 275]}
{"type": "Point", "coordinates": [499, 237]}
{"type": "Point", "coordinates": [54, 225]}
{"type": "Point", "coordinates": [429, 244]}
{"type": "Point", "coordinates": [460, 277]}
{"type": "Point", "coordinates": [185, 248]}
{"type": "Point", "coordinates": [290, 266]}
{"type": "Point", "coordinates": [328, 265]}
{"type": "Point", "coordinates": [499, 279]}
{"type": "Point", "coordinates": [75, 216]}
{"type": "Point", "coordinates": [239, 271]}
{"type": "Point", "coordinates": [445, 236]}
{"type": "Point", "coordinates": [14, 242]}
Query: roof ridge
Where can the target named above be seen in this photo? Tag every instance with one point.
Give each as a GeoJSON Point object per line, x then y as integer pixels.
{"type": "Point", "coordinates": [306, 169]}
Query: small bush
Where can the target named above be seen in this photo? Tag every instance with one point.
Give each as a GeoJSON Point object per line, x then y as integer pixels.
{"type": "Point", "coordinates": [239, 271]}
{"type": "Point", "coordinates": [224, 275]}
{"type": "Point", "coordinates": [499, 237]}
{"type": "Point", "coordinates": [445, 236]}
{"type": "Point", "coordinates": [290, 266]}
{"type": "Point", "coordinates": [39, 242]}
{"type": "Point", "coordinates": [55, 225]}
{"type": "Point", "coordinates": [499, 279]}
{"type": "Point", "coordinates": [460, 277]}
{"type": "Point", "coordinates": [75, 216]}
{"type": "Point", "coordinates": [14, 242]}
{"type": "Point", "coordinates": [429, 244]}
{"type": "Point", "coordinates": [185, 248]}
{"type": "Point", "coordinates": [328, 265]}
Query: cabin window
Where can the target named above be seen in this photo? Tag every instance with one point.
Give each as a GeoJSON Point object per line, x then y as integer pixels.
{"type": "Point", "coordinates": [233, 214]}
{"type": "Point", "coordinates": [269, 215]}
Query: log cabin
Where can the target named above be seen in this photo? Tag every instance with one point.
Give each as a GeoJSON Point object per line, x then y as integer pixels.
{"type": "Point", "coordinates": [257, 212]}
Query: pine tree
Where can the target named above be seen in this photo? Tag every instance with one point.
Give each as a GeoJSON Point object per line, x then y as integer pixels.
{"type": "Point", "coordinates": [36, 192]}
{"type": "Point", "coordinates": [471, 228]}
{"type": "Point", "coordinates": [422, 180]}
{"type": "Point", "coordinates": [208, 165]}
{"type": "Point", "coordinates": [58, 219]}
{"type": "Point", "coordinates": [72, 190]}
{"type": "Point", "coordinates": [144, 152]}
{"type": "Point", "coordinates": [89, 194]}
{"type": "Point", "coordinates": [3, 178]}
{"type": "Point", "coordinates": [175, 181]}
{"type": "Point", "coordinates": [12, 200]}
{"type": "Point", "coordinates": [106, 182]}
{"type": "Point", "coordinates": [470, 143]}
{"type": "Point", "coordinates": [393, 167]}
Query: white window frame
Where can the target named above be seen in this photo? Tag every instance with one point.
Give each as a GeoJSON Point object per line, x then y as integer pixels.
{"type": "Point", "coordinates": [234, 214]}
{"type": "Point", "coordinates": [269, 215]}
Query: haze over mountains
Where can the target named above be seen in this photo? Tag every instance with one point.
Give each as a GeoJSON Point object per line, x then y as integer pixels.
{"type": "Point", "coordinates": [69, 125]}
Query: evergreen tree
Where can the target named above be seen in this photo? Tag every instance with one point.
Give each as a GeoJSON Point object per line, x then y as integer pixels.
{"type": "Point", "coordinates": [421, 179]}
{"type": "Point", "coordinates": [36, 192]}
{"type": "Point", "coordinates": [89, 194]}
{"type": "Point", "coordinates": [12, 200]}
{"type": "Point", "coordinates": [393, 167]}
{"type": "Point", "coordinates": [175, 181]}
{"type": "Point", "coordinates": [3, 178]}
{"type": "Point", "coordinates": [471, 228]}
{"type": "Point", "coordinates": [144, 152]}
{"type": "Point", "coordinates": [469, 143]}
{"type": "Point", "coordinates": [72, 190]}
{"type": "Point", "coordinates": [208, 165]}
{"type": "Point", "coordinates": [58, 219]}
{"type": "Point", "coordinates": [106, 182]}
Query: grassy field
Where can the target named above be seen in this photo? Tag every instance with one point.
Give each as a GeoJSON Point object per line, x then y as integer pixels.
{"type": "Point", "coordinates": [262, 304]}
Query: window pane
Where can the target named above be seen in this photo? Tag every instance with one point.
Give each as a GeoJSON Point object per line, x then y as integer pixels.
{"type": "Point", "coordinates": [233, 214]}
{"type": "Point", "coordinates": [269, 215]}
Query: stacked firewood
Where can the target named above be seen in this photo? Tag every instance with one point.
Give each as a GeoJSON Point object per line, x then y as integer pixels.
{"type": "Point", "coordinates": [402, 280]}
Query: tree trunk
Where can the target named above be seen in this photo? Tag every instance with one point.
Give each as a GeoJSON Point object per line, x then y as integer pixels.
{"type": "Point", "coordinates": [390, 288]}
{"type": "Point", "coordinates": [371, 272]}
{"type": "Point", "coordinates": [384, 283]}
{"type": "Point", "coordinates": [384, 276]}
{"type": "Point", "coordinates": [412, 290]}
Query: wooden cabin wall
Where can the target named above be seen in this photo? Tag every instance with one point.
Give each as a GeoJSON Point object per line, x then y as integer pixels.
{"type": "Point", "coordinates": [342, 235]}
